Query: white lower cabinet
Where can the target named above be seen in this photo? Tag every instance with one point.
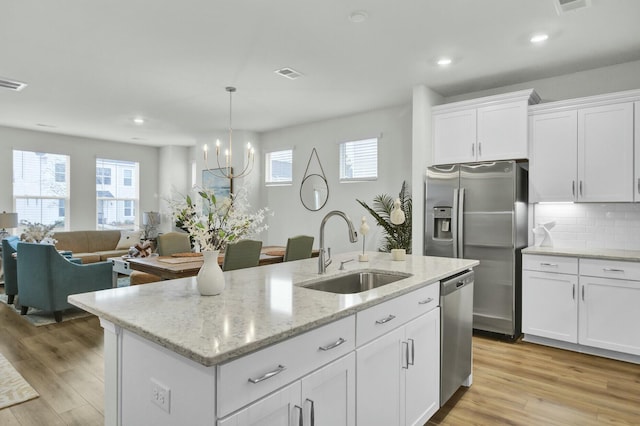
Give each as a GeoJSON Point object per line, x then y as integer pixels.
{"type": "Point", "coordinates": [549, 305]}
{"type": "Point", "coordinates": [398, 374]}
{"type": "Point", "coordinates": [324, 397]}
{"type": "Point", "coordinates": [595, 307]}
{"type": "Point", "coordinates": [610, 314]}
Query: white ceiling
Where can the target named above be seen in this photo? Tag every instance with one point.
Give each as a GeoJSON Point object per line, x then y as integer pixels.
{"type": "Point", "coordinates": [92, 65]}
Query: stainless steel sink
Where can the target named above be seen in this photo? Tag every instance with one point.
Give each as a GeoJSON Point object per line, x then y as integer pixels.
{"type": "Point", "coordinates": [356, 282]}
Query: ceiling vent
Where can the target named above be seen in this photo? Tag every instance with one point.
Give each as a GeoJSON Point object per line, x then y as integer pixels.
{"type": "Point", "coordinates": [12, 85]}
{"type": "Point", "coordinates": [289, 73]}
{"type": "Point", "coordinates": [564, 6]}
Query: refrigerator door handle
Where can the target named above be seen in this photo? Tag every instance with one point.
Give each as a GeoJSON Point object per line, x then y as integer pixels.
{"type": "Point", "coordinates": [460, 213]}
{"type": "Point", "coordinates": [454, 223]}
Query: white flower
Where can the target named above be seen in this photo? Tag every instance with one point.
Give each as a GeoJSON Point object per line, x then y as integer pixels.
{"type": "Point", "coordinates": [214, 223]}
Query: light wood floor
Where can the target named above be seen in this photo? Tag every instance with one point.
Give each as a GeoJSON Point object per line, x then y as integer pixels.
{"type": "Point", "coordinates": [514, 384]}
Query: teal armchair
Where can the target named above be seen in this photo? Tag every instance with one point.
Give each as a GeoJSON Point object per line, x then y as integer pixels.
{"type": "Point", "coordinates": [9, 268]}
{"type": "Point", "coordinates": [46, 278]}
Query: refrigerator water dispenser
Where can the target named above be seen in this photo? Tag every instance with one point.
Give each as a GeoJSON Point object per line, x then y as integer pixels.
{"type": "Point", "coordinates": [442, 223]}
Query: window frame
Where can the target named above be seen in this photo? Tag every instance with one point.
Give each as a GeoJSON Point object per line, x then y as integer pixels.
{"type": "Point", "coordinates": [25, 192]}
{"type": "Point", "coordinates": [268, 168]}
{"type": "Point", "coordinates": [119, 200]}
{"type": "Point", "coordinates": [342, 146]}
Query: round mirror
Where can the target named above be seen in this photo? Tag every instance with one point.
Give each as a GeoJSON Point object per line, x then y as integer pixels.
{"type": "Point", "coordinates": [314, 192]}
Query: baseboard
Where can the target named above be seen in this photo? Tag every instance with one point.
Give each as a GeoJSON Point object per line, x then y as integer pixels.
{"type": "Point", "coordinates": [620, 356]}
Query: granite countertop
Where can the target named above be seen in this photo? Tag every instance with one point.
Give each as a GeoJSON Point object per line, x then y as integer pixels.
{"type": "Point", "coordinates": [259, 306]}
{"type": "Point", "coordinates": [607, 254]}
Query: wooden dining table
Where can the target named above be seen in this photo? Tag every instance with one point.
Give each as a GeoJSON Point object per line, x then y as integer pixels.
{"type": "Point", "coordinates": [172, 267]}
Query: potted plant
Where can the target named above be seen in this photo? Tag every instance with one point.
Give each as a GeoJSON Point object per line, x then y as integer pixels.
{"type": "Point", "coordinates": [394, 216]}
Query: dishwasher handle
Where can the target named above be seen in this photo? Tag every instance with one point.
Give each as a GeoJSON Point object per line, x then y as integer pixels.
{"type": "Point", "coordinates": [456, 282]}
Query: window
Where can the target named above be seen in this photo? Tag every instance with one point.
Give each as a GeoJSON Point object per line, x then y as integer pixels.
{"type": "Point", "coordinates": [279, 167]}
{"type": "Point", "coordinates": [128, 177]}
{"type": "Point", "coordinates": [116, 194]}
{"type": "Point", "coordinates": [61, 172]}
{"type": "Point", "coordinates": [359, 160]}
{"type": "Point", "coordinates": [103, 176]}
{"type": "Point", "coordinates": [40, 187]}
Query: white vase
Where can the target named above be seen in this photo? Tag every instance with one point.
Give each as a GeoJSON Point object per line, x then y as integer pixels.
{"type": "Point", "coordinates": [210, 277]}
{"type": "Point", "coordinates": [398, 254]}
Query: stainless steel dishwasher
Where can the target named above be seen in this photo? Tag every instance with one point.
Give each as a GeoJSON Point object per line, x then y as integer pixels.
{"type": "Point", "coordinates": [456, 329]}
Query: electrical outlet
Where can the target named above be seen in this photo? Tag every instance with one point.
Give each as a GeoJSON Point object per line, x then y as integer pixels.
{"type": "Point", "coordinates": [161, 395]}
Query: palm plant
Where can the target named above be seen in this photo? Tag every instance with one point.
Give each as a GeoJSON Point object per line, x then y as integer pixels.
{"type": "Point", "coordinates": [395, 236]}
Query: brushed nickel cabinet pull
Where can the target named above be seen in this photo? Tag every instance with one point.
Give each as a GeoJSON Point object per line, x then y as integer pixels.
{"type": "Point", "coordinates": [424, 302]}
{"type": "Point", "coordinates": [612, 270]}
{"type": "Point", "coordinates": [269, 375]}
{"type": "Point", "coordinates": [332, 345]}
{"type": "Point", "coordinates": [387, 319]}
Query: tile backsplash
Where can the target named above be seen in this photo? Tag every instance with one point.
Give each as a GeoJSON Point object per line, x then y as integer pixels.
{"type": "Point", "coordinates": [591, 225]}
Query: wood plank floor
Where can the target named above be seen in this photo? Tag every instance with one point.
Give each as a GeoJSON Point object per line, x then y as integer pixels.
{"type": "Point", "coordinates": [514, 384]}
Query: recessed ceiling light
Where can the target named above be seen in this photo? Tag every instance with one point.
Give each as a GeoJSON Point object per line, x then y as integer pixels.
{"type": "Point", "coordinates": [138, 120]}
{"type": "Point", "coordinates": [539, 38]}
{"type": "Point", "coordinates": [358, 16]}
{"type": "Point", "coordinates": [444, 62]}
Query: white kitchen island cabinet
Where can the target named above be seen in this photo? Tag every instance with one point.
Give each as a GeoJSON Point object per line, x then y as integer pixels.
{"type": "Point", "coordinates": [267, 350]}
{"type": "Point", "coordinates": [587, 304]}
{"type": "Point", "coordinates": [485, 129]}
{"type": "Point", "coordinates": [582, 150]}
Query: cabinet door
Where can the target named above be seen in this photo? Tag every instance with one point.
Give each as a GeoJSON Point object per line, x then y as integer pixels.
{"type": "Point", "coordinates": [379, 380]}
{"type": "Point", "coordinates": [281, 408]}
{"type": "Point", "coordinates": [550, 306]}
{"type": "Point", "coordinates": [554, 156]}
{"type": "Point", "coordinates": [636, 190]}
{"type": "Point", "coordinates": [502, 131]}
{"type": "Point", "coordinates": [328, 395]}
{"type": "Point", "coordinates": [454, 137]}
{"type": "Point", "coordinates": [422, 383]}
{"type": "Point", "coordinates": [609, 314]}
{"type": "Point", "coordinates": [605, 153]}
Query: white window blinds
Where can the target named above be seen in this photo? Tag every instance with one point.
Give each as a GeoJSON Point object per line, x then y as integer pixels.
{"type": "Point", "coordinates": [359, 160]}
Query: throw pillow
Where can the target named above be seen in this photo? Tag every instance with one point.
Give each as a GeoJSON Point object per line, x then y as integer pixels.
{"type": "Point", "coordinates": [128, 239]}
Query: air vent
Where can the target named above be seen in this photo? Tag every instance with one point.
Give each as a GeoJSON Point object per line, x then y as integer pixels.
{"type": "Point", "coordinates": [12, 85]}
{"type": "Point", "coordinates": [289, 73]}
{"type": "Point", "coordinates": [564, 6]}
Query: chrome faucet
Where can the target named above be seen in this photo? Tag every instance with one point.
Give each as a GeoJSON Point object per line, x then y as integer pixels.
{"type": "Point", "coordinates": [353, 237]}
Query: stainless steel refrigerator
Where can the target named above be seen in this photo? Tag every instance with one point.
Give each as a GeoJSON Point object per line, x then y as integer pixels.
{"type": "Point", "coordinates": [479, 211]}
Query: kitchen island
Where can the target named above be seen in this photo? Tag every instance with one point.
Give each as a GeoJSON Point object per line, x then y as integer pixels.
{"type": "Point", "coordinates": [175, 357]}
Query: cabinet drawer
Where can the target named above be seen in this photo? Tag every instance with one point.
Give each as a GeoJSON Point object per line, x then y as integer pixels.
{"type": "Point", "coordinates": [610, 269]}
{"type": "Point", "coordinates": [379, 319]}
{"type": "Point", "coordinates": [558, 264]}
{"type": "Point", "coordinates": [280, 364]}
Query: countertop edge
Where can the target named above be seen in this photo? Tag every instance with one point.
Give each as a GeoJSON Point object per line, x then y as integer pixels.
{"type": "Point", "coordinates": [604, 254]}
{"type": "Point", "coordinates": [257, 345]}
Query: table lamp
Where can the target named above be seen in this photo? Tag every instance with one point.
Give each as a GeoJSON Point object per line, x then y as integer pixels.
{"type": "Point", "coordinates": [7, 220]}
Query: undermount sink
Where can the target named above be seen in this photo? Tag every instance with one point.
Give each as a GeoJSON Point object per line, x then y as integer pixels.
{"type": "Point", "coordinates": [356, 282]}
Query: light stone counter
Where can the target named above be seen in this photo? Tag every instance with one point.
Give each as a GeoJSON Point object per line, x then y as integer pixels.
{"type": "Point", "coordinates": [259, 306]}
{"type": "Point", "coordinates": [606, 254]}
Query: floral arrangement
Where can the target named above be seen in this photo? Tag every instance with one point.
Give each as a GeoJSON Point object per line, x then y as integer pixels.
{"type": "Point", "coordinates": [38, 232]}
{"type": "Point", "coordinates": [212, 223]}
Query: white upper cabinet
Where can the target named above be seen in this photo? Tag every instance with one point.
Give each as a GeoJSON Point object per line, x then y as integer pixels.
{"type": "Point", "coordinates": [554, 153]}
{"type": "Point", "coordinates": [605, 153]}
{"type": "Point", "coordinates": [583, 150]}
{"type": "Point", "coordinates": [485, 129]}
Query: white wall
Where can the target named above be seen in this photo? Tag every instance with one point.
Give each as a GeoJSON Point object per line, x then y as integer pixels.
{"type": "Point", "coordinates": [422, 157]}
{"type": "Point", "coordinates": [83, 153]}
{"type": "Point", "coordinates": [174, 177]}
{"type": "Point", "coordinates": [597, 81]}
{"type": "Point", "coordinates": [394, 165]}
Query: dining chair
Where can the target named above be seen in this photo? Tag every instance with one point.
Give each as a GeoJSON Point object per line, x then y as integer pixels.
{"type": "Point", "coordinates": [168, 244]}
{"type": "Point", "coordinates": [298, 247]}
{"type": "Point", "coordinates": [243, 254]}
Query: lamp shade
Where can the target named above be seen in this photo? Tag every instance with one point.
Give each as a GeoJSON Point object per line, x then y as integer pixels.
{"type": "Point", "coordinates": [8, 220]}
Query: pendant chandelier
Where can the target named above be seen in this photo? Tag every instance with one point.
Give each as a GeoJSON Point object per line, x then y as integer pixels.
{"type": "Point", "coordinates": [225, 169]}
